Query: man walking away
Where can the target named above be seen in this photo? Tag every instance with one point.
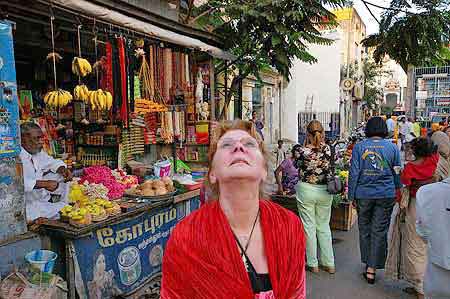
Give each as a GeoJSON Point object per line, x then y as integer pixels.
{"type": "Point", "coordinates": [391, 126]}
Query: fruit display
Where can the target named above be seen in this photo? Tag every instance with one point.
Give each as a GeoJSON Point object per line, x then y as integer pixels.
{"type": "Point", "coordinates": [85, 212]}
{"type": "Point", "coordinates": [58, 98]}
{"type": "Point", "coordinates": [80, 216]}
{"type": "Point", "coordinates": [81, 93]}
{"type": "Point", "coordinates": [81, 67]}
{"type": "Point", "coordinates": [100, 100]}
{"type": "Point", "coordinates": [98, 213]}
{"type": "Point", "coordinates": [157, 187]}
{"type": "Point", "coordinates": [77, 194]}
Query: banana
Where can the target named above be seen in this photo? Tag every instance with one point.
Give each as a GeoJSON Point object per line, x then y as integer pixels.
{"type": "Point", "coordinates": [109, 100]}
{"type": "Point", "coordinates": [102, 99]}
{"type": "Point", "coordinates": [80, 92]}
{"type": "Point", "coordinates": [58, 98]}
{"type": "Point", "coordinates": [92, 101]}
{"type": "Point", "coordinates": [81, 66]}
{"type": "Point", "coordinates": [53, 99]}
{"type": "Point", "coordinates": [98, 98]}
{"type": "Point", "coordinates": [47, 95]}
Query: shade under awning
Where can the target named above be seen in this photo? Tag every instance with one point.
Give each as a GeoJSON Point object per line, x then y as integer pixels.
{"type": "Point", "coordinates": [111, 16]}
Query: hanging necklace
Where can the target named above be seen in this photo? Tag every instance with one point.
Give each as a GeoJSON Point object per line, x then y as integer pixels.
{"type": "Point", "coordinates": [244, 248]}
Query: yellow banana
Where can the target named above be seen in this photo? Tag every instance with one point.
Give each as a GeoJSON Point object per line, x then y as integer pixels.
{"type": "Point", "coordinates": [102, 99]}
{"type": "Point", "coordinates": [81, 66]}
{"type": "Point", "coordinates": [47, 95]}
{"type": "Point", "coordinates": [92, 96]}
{"type": "Point", "coordinates": [84, 92]}
{"type": "Point", "coordinates": [50, 97]}
{"type": "Point", "coordinates": [98, 99]}
{"type": "Point", "coordinates": [109, 100]}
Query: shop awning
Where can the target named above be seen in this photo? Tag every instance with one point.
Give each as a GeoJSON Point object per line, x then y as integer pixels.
{"type": "Point", "coordinates": [108, 15]}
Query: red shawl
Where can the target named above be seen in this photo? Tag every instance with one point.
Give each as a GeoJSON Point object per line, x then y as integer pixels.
{"type": "Point", "coordinates": [419, 172]}
{"type": "Point", "coordinates": [202, 259]}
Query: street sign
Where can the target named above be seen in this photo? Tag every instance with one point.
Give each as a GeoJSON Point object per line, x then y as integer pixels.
{"type": "Point", "coordinates": [347, 84]}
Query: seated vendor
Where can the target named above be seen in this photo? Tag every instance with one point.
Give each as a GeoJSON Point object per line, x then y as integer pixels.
{"type": "Point", "coordinates": [289, 173]}
{"type": "Point", "coordinates": [43, 176]}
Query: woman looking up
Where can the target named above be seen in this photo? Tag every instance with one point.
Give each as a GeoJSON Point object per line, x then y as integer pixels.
{"type": "Point", "coordinates": [240, 245]}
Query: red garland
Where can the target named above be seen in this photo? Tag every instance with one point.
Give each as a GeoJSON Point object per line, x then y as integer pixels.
{"type": "Point", "coordinates": [123, 109]}
{"type": "Point", "coordinates": [108, 75]}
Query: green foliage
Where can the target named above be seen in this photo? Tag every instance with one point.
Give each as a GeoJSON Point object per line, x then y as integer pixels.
{"type": "Point", "coordinates": [413, 38]}
{"type": "Point", "coordinates": [268, 32]}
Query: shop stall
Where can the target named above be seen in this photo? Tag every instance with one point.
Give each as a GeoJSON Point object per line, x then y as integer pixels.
{"type": "Point", "coordinates": [130, 113]}
{"type": "Point", "coordinates": [122, 255]}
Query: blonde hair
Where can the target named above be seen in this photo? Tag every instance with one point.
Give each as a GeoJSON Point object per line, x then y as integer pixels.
{"type": "Point", "coordinates": [217, 133]}
{"type": "Point", "coordinates": [315, 133]}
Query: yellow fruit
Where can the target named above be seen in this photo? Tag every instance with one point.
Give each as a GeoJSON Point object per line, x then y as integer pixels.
{"type": "Point", "coordinates": [80, 92]}
{"type": "Point", "coordinates": [109, 100]}
{"type": "Point", "coordinates": [81, 67]}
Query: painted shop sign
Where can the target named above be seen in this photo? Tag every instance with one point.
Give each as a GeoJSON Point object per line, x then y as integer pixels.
{"type": "Point", "coordinates": [118, 259]}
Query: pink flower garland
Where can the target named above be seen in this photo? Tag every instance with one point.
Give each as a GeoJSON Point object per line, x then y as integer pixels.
{"type": "Point", "coordinates": [103, 175]}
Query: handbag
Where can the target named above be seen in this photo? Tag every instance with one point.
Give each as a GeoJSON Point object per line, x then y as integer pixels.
{"type": "Point", "coordinates": [334, 184]}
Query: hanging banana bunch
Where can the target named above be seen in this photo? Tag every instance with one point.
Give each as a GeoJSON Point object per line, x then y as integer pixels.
{"type": "Point", "coordinates": [58, 98]}
{"type": "Point", "coordinates": [81, 67]}
{"type": "Point", "coordinates": [100, 99]}
{"type": "Point", "coordinates": [81, 93]}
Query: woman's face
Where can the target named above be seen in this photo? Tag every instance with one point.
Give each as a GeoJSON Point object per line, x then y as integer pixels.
{"type": "Point", "coordinates": [100, 264]}
{"type": "Point", "coordinates": [237, 157]}
{"type": "Point", "coordinates": [296, 153]}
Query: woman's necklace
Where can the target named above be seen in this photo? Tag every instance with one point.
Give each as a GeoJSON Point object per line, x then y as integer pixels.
{"type": "Point", "coordinates": [244, 248]}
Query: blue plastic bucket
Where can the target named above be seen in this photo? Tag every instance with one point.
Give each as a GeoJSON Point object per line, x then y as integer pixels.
{"type": "Point", "coordinates": [42, 260]}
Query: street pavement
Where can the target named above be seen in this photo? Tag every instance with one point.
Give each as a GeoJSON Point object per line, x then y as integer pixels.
{"type": "Point", "coordinates": [348, 281]}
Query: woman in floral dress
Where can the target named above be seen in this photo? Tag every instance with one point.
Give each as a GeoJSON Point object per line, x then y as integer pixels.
{"type": "Point", "coordinates": [313, 200]}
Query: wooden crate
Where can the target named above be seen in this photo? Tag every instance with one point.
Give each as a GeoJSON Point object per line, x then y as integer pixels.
{"type": "Point", "coordinates": [343, 217]}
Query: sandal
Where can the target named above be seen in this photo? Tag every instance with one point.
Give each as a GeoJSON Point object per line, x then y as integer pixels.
{"type": "Point", "coordinates": [370, 280]}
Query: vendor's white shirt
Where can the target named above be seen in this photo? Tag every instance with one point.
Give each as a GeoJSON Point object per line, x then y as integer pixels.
{"type": "Point", "coordinates": [37, 200]}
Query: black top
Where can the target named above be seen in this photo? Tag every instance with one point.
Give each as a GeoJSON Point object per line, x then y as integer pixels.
{"type": "Point", "coordinates": [260, 282]}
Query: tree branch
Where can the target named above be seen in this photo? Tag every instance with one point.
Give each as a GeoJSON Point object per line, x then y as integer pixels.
{"type": "Point", "coordinates": [208, 11]}
{"type": "Point", "coordinates": [387, 8]}
{"type": "Point", "coordinates": [190, 5]}
{"type": "Point", "coordinates": [371, 13]}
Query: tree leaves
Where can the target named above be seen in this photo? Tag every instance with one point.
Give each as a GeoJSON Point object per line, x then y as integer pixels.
{"type": "Point", "coordinates": [269, 32]}
{"type": "Point", "coordinates": [413, 38]}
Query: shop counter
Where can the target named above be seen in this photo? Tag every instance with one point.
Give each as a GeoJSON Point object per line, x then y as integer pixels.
{"type": "Point", "coordinates": [121, 256]}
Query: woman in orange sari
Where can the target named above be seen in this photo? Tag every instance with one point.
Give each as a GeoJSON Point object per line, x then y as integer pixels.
{"type": "Point", "coordinates": [239, 245]}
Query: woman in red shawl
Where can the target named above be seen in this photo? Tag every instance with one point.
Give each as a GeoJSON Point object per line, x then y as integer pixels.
{"type": "Point", "coordinates": [240, 245]}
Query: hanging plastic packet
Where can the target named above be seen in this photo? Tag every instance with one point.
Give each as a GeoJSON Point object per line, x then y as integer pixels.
{"type": "Point", "coordinates": [162, 168]}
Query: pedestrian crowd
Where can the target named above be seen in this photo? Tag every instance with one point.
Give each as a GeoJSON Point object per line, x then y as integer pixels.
{"type": "Point", "coordinates": [240, 245]}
